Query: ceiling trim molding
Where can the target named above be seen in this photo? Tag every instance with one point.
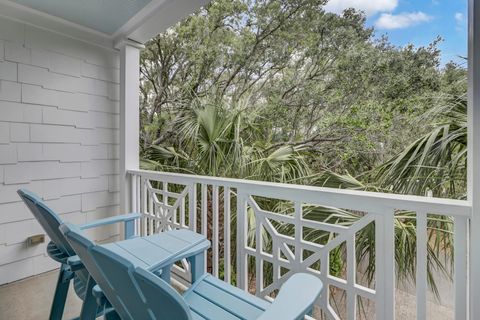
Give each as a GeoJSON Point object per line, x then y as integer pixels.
{"type": "Point", "coordinates": [154, 18]}
{"type": "Point", "coordinates": [138, 18]}
{"type": "Point", "coordinates": [162, 15]}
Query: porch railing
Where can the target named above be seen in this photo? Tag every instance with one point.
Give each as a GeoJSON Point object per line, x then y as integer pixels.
{"type": "Point", "coordinates": [257, 247]}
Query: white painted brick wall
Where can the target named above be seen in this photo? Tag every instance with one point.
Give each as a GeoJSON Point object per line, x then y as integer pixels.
{"type": "Point", "coordinates": [19, 112]}
{"type": "Point", "coordinates": [2, 51]}
{"type": "Point", "coordinates": [4, 132]}
{"type": "Point", "coordinates": [10, 91]}
{"type": "Point", "coordinates": [19, 132]}
{"type": "Point", "coordinates": [8, 70]}
{"type": "Point", "coordinates": [58, 138]}
{"type": "Point", "coordinates": [8, 154]}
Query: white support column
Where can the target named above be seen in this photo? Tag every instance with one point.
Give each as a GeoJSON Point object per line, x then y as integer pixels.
{"type": "Point", "coordinates": [473, 177]}
{"type": "Point", "coordinates": [129, 116]}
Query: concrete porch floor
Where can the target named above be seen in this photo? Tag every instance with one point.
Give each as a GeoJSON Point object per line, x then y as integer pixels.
{"type": "Point", "coordinates": [31, 298]}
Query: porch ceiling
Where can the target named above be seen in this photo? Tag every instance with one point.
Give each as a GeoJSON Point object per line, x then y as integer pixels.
{"type": "Point", "coordinates": [103, 22]}
{"type": "Point", "coordinates": [106, 16]}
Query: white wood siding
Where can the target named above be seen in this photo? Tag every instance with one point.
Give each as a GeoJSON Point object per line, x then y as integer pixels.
{"type": "Point", "coordinates": [59, 120]}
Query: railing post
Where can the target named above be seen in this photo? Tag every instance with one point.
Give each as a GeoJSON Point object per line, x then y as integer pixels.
{"type": "Point", "coordinates": [215, 229]}
{"type": "Point", "coordinates": [133, 193]}
{"type": "Point", "coordinates": [241, 240]}
{"type": "Point", "coordinates": [192, 207]}
{"type": "Point", "coordinates": [385, 265]}
{"type": "Point", "coordinates": [226, 228]}
{"type": "Point", "coordinates": [351, 279]}
{"type": "Point", "coordinates": [204, 215]}
{"type": "Point", "coordinates": [379, 267]}
{"type": "Point", "coordinates": [460, 267]}
{"type": "Point", "coordinates": [389, 227]}
{"type": "Point", "coordinates": [142, 204]}
{"type": "Point", "coordinates": [422, 254]}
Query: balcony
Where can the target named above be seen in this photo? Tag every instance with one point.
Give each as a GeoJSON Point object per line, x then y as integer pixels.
{"type": "Point", "coordinates": [69, 131]}
{"type": "Point", "coordinates": [263, 232]}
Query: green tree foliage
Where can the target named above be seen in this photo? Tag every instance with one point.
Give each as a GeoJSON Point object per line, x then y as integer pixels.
{"type": "Point", "coordinates": [226, 140]}
{"type": "Point", "coordinates": [436, 162]}
{"type": "Point", "coordinates": [312, 79]}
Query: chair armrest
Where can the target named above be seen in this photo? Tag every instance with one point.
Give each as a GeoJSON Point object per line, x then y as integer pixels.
{"type": "Point", "coordinates": [110, 220]}
{"type": "Point", "coordinates": [295, 299]}
{"type": "Point", "coordinates": [75, 263]}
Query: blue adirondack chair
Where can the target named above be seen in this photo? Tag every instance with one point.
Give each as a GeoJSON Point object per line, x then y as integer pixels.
{"type": "Point", "coordinates": [137, 293]}
{"type": "Point", "coordinates": [59, 250]}
{"type": "Point", "coordinates": [149, 251]}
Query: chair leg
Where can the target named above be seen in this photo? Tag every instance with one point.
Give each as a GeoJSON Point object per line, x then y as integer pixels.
{"type": "Point", "coordinates": [197, 266]}
{"type": "Point", "coordinates": [60, 296]}
{"type": "Point", "coordinates": [89, 306]}
{"type": "Point", "coordinates": [112, 315]}
{"type": "Point", "coordinates": [310, 312]}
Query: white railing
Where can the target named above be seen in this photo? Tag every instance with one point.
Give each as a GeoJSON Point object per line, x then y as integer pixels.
{"type": "Point", "coordinates": [273, 243]}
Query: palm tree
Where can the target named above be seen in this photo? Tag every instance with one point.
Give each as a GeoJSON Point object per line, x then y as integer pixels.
{"type": "Point", "coordinates": [433, 165]}
{"type": "Point", "coordinates": [226, 139]}
{"type": "Point", "coordinates": [436, 162]}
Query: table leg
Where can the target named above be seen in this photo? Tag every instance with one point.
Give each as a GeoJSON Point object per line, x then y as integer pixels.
{"type": "Point", "coordinates": [197, 266]}
{"type": "Point", "coordinates": [165, 276]}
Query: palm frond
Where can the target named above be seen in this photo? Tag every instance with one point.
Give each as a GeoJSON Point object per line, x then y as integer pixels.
{"type": "Point", "coordinates": [435, 161]}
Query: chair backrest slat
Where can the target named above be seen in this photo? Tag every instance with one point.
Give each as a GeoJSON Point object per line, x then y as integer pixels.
{"type": "Point", "coordinates": [48, 219]}
{"type": "Point", "coordinates": [154, 289]}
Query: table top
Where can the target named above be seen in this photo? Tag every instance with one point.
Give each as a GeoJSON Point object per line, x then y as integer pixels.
{"type": "Point", "coordinates": [161, 249]}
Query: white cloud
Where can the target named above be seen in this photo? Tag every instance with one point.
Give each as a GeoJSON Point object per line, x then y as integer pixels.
{"type": "Point", "coordinates": [402, 20]}
{"type": "Point", "coordinates": [459, 17]}
{"type": "Point", "coordinates": [460, 21]}
{"type": "Point", "coordinates": [369, 6]}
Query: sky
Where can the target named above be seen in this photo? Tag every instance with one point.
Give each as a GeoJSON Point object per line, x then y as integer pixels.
{"type": "Point", "coordinates": [416, 21]}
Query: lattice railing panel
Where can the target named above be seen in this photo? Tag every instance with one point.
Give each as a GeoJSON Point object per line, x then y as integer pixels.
{"type": "Point", "coordinates": [262, 233]}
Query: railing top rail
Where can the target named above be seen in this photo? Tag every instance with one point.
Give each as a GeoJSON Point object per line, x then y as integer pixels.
{"type": "Point", "coordinates": [374, 202]}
